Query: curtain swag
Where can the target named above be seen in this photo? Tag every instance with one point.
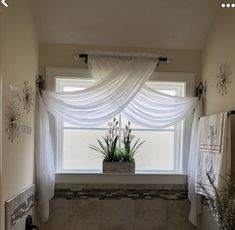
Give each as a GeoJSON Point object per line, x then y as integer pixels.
{"type": "Point", "coordinates": [120, 87]}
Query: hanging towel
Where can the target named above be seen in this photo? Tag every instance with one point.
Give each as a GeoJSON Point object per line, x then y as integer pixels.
{"type": "Point", "coordinates": [211, 133]}
{"type": "Point", "coordinates": [214, 151]}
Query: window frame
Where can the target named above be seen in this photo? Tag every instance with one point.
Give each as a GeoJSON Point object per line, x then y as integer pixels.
{"type": "Point", "coordinates": [187, 78]}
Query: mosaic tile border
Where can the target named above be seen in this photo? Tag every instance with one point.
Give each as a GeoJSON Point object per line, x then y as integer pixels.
{"type": "Point", "coordinates": [120, 193]}
{"type": "Point", "coordinates": [118, 186]}
{"type": "Point", "coordinates": [18, 206]}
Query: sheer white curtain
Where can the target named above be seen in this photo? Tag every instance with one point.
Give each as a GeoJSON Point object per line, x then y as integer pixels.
{"type": "Point", "coordinates": [45, 171]}
{"type": "Point", "coordinates": [195, 199]}
{"type": "Point", "coordinates": [154, 109]}
{"type": "Point", "coordinates": [120, 88]}
{"type": "Point", "coordinates": [106, 98]}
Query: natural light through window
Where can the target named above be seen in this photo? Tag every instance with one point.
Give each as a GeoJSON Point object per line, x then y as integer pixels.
{"type": "Point", "coordinates": [161, 152]}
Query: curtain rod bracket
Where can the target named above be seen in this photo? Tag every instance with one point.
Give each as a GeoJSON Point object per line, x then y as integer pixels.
{"type": "Point", "coordinates": [40, 83]}
{"type": "Point", "coordinates": [162, 59]}
{"type": "Point", "coordinates": [199, 90]}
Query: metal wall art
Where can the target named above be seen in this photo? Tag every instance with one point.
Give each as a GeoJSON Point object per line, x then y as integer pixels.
{"type": "Point", "coordinates": [13, 122]}
{"type": "Point", "coordinates": [28, 96]}
{"type": "Point", "coordinates": [222, 79]}
{"type": "Point", "coordinates": [15, 125]}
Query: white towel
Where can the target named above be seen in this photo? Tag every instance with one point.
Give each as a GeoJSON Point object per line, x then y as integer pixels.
{"type": "Point", "coordinates": [211, 133]}
{"type": "Point", "coordinates": [214, 151]}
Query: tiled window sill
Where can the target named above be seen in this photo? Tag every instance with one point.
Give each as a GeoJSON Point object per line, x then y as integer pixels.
{"type": "Point", "coordinates": [116, 178]}
{"type": "Point", "coordinates": [119, 186]}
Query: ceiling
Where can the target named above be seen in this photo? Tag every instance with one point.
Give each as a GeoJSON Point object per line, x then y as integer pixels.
{"type": "Point", "coordinates": [164, 24]}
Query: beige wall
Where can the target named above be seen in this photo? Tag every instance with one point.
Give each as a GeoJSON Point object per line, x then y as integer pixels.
{"type": "Point", "coordinates": [60, 55]}
{"type": "Point", "coordinates": [219, 49]}
{"type": "Point", "coordinates": [19, 56]}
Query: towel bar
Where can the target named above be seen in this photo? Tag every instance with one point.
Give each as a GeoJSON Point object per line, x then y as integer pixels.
{"type": "Point", "coordinates": [232, 112]}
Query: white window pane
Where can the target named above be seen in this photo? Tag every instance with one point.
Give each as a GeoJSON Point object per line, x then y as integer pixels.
{"type": "Point", "coordinates": [157, 153]}
{"type": "Point", "coordinates": [72, 84]}
{"type": "Point", "coordinates": [76, 152]}
{"type": "Point", "coordinates": [71, 89]}
{"type": "Point", "coordinates": [102, 126]}
{"type": "Point", "coordinates": [169, 92]}
{"type": "Point", "coordinates": [136, 126]}
{"type": "Point", "coordinates": [68, 125]}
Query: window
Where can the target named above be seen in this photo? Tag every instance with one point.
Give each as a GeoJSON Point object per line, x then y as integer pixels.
{"type": "Point", "coordinates": [162, 151]}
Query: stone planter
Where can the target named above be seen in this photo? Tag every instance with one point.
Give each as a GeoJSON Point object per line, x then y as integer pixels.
{"type": "Point", "coordinates": [118, 167]}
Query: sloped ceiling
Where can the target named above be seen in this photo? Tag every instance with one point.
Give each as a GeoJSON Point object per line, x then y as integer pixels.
{"type": "Point", "coordinates": [164, 24]}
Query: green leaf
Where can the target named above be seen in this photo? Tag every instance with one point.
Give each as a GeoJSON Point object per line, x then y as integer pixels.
{"type": "Point", "coordinates": [101, 145]}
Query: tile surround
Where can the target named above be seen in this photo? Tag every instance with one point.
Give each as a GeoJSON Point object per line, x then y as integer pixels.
{"type": "Point", "coordinates": [120, 191]}
{"type": "Point", "coordinates": [108, 207]}
{"type": "Point", "coordinates": [119, 207]}
{"type": "Point", "coordinates": [17, 207]}
{"type": "Point", "coordinates": [125, 214]}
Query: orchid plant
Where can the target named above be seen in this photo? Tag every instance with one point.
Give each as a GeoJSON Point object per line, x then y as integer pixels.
{"type": "Point", "coordinates": [129, 151]}
{"type": "Point", "coordinates": [109, 148]}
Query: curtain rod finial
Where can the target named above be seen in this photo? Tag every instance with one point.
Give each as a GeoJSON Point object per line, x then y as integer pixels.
{"type": "Point", "coordinates": [84, 56]}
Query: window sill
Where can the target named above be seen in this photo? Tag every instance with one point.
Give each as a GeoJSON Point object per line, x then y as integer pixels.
{"type": "Point", "coordinates": [120, 178]}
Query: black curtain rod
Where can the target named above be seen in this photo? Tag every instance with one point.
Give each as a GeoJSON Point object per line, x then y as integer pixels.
{"type": "Point", "coordinates": [232, 112]}
{"type": "Point", "coordinates": [85, 56]}
{"type": "Point", "coordinates": [160, 59]}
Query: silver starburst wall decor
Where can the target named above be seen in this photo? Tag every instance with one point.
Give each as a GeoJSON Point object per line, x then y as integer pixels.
{"type": "Point", "coordinates": [222, 79]}
{"type": "Point", "coordinates": [28, 96]}
{"type": "Point", "coordinates": [14, 122]}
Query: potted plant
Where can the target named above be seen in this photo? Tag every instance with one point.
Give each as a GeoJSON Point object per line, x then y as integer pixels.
{"type": "Point", "coordinates": [116, 159]}
{"type": "Point", "coordinates": [221, 203]}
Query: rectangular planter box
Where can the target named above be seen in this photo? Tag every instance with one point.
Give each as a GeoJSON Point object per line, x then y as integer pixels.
{"type": "Point", "coordinates": [118, 167]}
